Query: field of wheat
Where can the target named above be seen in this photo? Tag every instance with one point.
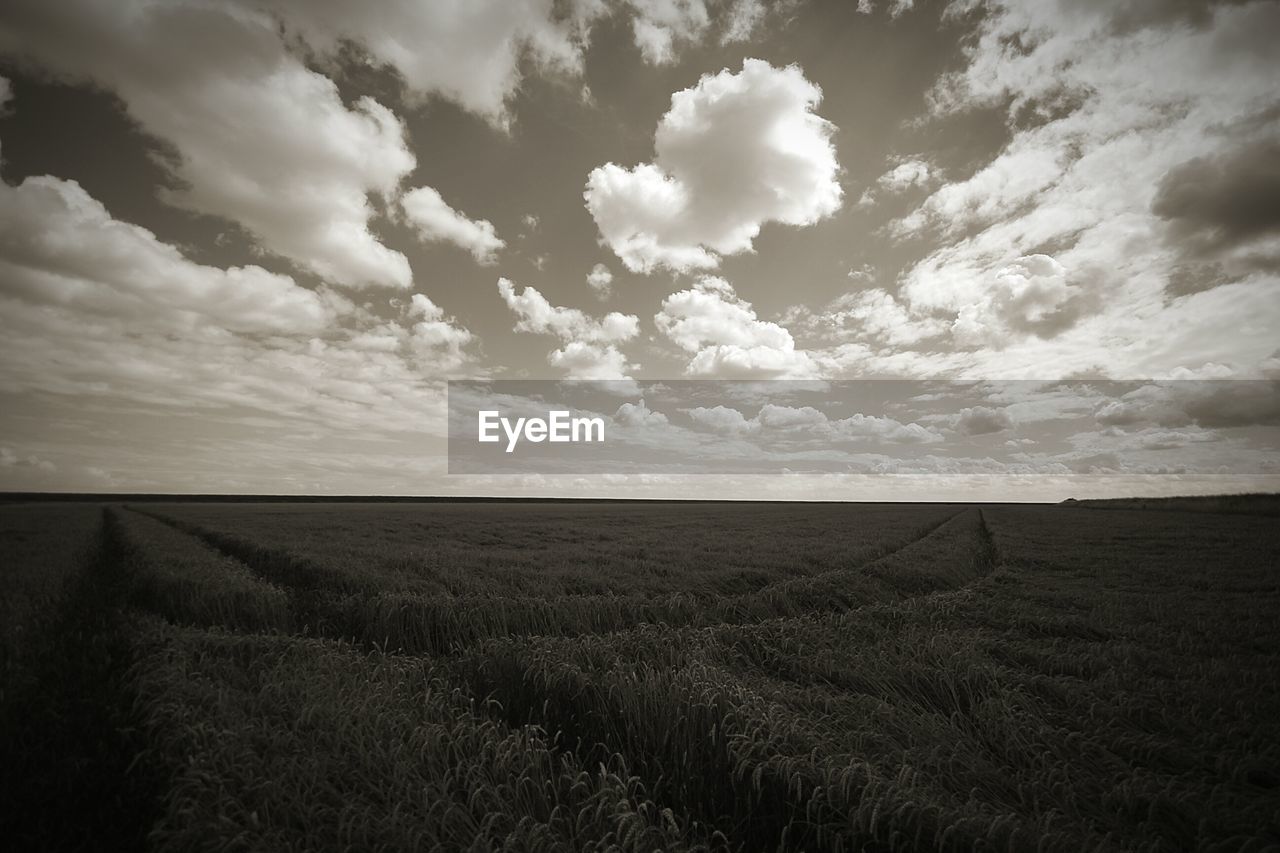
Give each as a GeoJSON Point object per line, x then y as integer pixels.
{"type": "Point", "coordinates": [639, 676]}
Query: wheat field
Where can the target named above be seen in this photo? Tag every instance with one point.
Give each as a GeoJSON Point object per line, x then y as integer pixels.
{"type": "Point", "coordinates": [639, 676]}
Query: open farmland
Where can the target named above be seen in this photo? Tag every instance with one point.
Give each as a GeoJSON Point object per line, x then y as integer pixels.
{"type": "Point", "coordinates": [639, 676]}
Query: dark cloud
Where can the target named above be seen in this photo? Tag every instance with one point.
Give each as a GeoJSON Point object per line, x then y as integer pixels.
{"type": "Point", "coordinates": [1235, 404]}
{"type": "Point", "coordinates": [983, 420]}
{"type": "Point", "coordinates": [1195, 277]}
{"type": "Point", "coordinates": [1220, 203]}
{"type": "Point", "coordinates": [1210, 404]}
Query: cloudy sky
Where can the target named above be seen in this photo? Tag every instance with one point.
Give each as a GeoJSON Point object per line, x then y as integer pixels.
{"type": "Point", "coordinates": [245, 243]}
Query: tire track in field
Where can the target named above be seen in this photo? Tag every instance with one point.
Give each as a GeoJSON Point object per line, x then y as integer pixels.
{"type": "Point", "coordinates": [847, 588]}
{"type": "Point", "coordinates": [70, 773]}
{"type": "Point", "coordinates": [590, 703]}
{"type": "Point", "coordinates": [772, 807]}
{"type": "Point", "coordinates": [328, 602]}
{"type": "Point", "coordinates": [311, 588]}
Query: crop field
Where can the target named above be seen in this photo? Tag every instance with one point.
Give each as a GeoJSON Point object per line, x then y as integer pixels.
{"type": "Point", "coordinates": [640, 676]}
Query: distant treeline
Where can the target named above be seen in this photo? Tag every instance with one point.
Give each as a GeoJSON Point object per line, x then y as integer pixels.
{"type": "Point", "coordinates": [1259, 503]}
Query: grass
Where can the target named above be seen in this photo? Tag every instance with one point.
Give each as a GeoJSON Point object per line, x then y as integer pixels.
{"type": "Point", "coordinates": [187, 581]}
{"type": "Point", "coordinates": [1062, 707]}
{"type": "Point", "coordinates": [549, 550]}
{"type": "Point", "coordinates": [414, 608]}
{"type": "Point", "coordinates": [808, 678]}
{"type": "Point", "coordinates": [42, 547]}
{"type": "Point", "coordinates": [69, 739]}
{"type": "Point", "coordinates": [326, 748]}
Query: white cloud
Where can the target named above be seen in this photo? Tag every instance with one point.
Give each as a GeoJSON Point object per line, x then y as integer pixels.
{"type": "Point", "coordinates": [60, 246]}
{"type": "Point", "coordinates": [434, 338]}
{"type": "Point", "coordinates": [436, 220]}
{"type": "Point", "coordinates": [1098, 120]}
{"type": "Point", "coordinates": [808, 420]}
{"type": "Point", "coordinates": [467, 52]}
{"type": "Point", "coordinates": [725, 337]}
{"type": "Point", "coordinates": [590, 348]}
{"type": "Point", "coordinates": [744, 16]}
{"type": "Point", "coordinates": [732, 153]}
{"type": "Point", "coordinates": [865, 274]}
{"type": "Point", "coordinates": [907, 174]}
{"type": "Point", "coordinates": [722, 419]}
{"type": "Point", "coordinates": [1029, 296]}
{"type": "Point", "coordinates": [600, 280]}
{"type": "Point", "coordinates": [102, 319]}
{"type": "Point", "coordinates": [259, 138]}
{"type": "Point", "coordinates": [773, 416]}
{"type": "Point", "coordinates": [884, 429]}
{"type": "Point", "coordinates": [657, 26]}
{"type": "Point", "coordinates": [872, 314]}
{"type": "Point", "coordinates": [638, 414]}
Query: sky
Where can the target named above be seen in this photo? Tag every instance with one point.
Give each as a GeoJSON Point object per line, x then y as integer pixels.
{"type": "Point", "coordinates": [245, 244]}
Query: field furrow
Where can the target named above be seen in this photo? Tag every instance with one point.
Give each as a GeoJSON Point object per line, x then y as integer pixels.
{"type": "Point", "coordinates": [184, 580]}
{"type": "Point", "coordinates": [351, 605]}
{"type": "Point", "coordinates": [334, 749]}
{"type": "Point", "coordinates": [69, 735]}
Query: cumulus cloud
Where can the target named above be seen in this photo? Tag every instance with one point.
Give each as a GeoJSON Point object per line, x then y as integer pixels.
{"type": "Point", "coordinates": [734, 152]}
{"type": "Point", "coordinates": [725, 337]}
{"type": "Point", "coordinates": [469, 53]}
{"type": "Point", "coordinates": [60, 246]}
{"type": "Point", "coordinates": [435, 220]}
{"type": "Point", "coordinates": [1029, 296]}
{"type": "Point", "coordinates": [812, 422]}
{"type": "Point", "coordinates": [590, 346]}
{"type": "Point", "coordinates": [722, 419]}
{"type": "Point", "coordinates": [639, 415]}
{"type": "Point", "coordinates": [259, 138]}
{"type": "Point", "coordinates": [600, 279]}
{"type": "Point", "coordinates": [434, 337]}
{"type": "Point", "coordinates": [982, 420]}
{"type": "Point", "coordinates": [907, 174]}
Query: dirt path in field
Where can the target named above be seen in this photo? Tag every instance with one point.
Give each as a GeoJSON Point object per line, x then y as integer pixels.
{"type": "Point", "coordinates": [69, 775]}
